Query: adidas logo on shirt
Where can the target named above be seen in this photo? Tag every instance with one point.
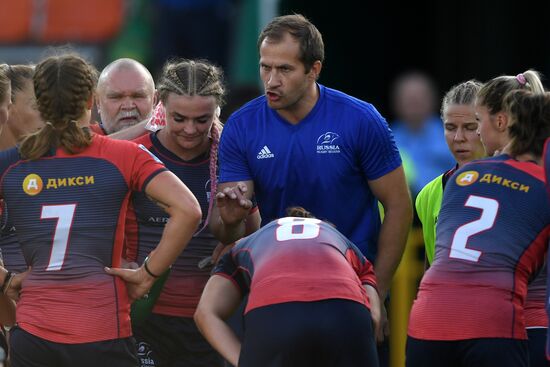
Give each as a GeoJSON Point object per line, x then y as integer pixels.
{"type": "Point", "coordinates": [265, 153]}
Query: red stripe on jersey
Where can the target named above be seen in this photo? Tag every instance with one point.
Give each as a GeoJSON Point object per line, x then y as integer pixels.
{"type": "Point", "coordinates": [528, 167]}
{"type": "Point", "coordinates": [532, 259]}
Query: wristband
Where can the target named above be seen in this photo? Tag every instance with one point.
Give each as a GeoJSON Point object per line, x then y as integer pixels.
{"type": "Point", "coordinates": [7, 282]}
{"type": "Point", "coordinates": [147, 268]}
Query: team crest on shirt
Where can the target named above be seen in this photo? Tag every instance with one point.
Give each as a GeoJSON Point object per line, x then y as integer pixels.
{"type": "Point", "coordinates": [467, 178]}
{"type": "Point", "coordinates": [326, 143]}
{"type": "Point", "coordinates": [32, 184]}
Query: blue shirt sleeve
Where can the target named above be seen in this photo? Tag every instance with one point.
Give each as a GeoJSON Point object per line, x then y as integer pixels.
{"type": "Point", "coordinates": [233, 163]}
{"type": "Point", "coordinates": [378, 152]}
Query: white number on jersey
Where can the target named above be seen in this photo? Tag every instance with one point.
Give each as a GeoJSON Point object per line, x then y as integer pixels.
{"type": "Point", "coordinates": [64, 215]}
{"type": "Point", "coordinates": [297, 228]}
{"type": "Point", "coordinates": [489, 210]}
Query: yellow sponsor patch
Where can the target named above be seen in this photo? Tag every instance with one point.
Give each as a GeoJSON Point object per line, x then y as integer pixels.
{"type": "Point", "coordinates": [467, 178]}
{"type": "Point", "coordinates": [32, 184]}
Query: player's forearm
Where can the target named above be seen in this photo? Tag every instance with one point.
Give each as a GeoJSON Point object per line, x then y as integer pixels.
{"type": "Point", "coordinates": [177, 233]}
{"type": "Point", "coordinates": [227, 233]}
{"type": "Point", "coordinates": [131, 132]}
{"type": "Point", "coordinates": [391, 243]}
{"type": "Point", "coordinates": [220, 336]}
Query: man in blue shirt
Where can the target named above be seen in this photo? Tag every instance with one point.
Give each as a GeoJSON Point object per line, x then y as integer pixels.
{"type": "Point", "coordinates": [308, 145]}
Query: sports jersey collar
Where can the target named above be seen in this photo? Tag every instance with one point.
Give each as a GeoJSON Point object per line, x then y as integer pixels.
{"type": "Point", "coordinates": [173, 157]}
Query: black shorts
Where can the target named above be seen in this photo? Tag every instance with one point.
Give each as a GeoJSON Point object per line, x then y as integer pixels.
{"type": "Point", "coordinates": [170, 341]}
{"type": "Point", "coordinates": [27, 350]}
{"type": "Point", "coordinates": [327, 333]}
{"type": "Point", "coordinates": [483, 352]}
{"type": "Point", "coordinates": [537, 347]}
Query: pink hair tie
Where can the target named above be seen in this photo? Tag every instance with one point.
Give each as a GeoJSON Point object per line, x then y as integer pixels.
{"type": "Point", "coordinates": [521, 79]}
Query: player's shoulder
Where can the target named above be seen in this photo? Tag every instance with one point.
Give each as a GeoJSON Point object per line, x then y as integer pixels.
{"type": "Point", "coordinates": [248, 111]}
{"type": "Point", "coordinates": [346, 103]}
{"type": "Point", "coordinates": [431, 189]}
{"type": "Point", "coordinates": [504, 162]}
{"type": "Point", "coordinates": [116, 150]}
{"type": "Point", "coordinates": [106, 141]}
{"type": "Point", "coordinates": [8, 158]}
{"type": "Point", "coordinates": [144, 140]}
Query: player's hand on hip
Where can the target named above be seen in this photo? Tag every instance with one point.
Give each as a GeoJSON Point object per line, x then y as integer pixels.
{"type": "Point", "coordinates": [138, 282]}
{"type": "Point", "coordinates": [16, 284]}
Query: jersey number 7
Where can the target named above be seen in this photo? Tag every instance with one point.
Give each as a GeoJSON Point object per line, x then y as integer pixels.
{"type": "Point", "coordinates": [64, 215]}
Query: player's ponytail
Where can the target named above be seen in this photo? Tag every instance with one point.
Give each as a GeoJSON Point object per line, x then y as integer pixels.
{"type": "Point", "coordinates": [529, 125]}
{"type": "Point", "coordinates": [64, 87]}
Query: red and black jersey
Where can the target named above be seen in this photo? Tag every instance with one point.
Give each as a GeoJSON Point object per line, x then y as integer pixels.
{"type": "Point", "coordinates": [297, 259]}
{"type": "Point", "coordinates": [183, 288]}
{"type": "Point", "coordinates": [69, 211]}
{"type": "Point", "coordinates": [492, 235]}
{"type": "Point", "coordinates": [11, 251]}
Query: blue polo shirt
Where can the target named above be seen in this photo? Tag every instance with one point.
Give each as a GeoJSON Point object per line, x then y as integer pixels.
{"type": "Point", "coordinates": [323, 163]}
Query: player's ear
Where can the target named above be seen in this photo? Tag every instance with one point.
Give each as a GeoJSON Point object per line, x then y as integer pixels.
{"type": "Point", "coordinates": [502, 121]}
{"type": "Point", "coordinates": [90, 102]}
{"type": "Point", "coordinates": [316, 69]}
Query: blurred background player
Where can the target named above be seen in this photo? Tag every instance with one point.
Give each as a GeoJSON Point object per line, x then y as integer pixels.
{"type": "Point", "coordinates": [295, 315]}
{"type": "Point", "coordinates": [418, 129]}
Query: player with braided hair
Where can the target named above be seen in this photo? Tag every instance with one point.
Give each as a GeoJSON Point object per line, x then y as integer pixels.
{"type": "Point", "coordinates": [492, 237]}
{"type": "Point", "coordinates": [67, 191]}
{"type": "Point", "coordinates": [192, 93]}
{"type": "Point", "coordinates": [494, 132]}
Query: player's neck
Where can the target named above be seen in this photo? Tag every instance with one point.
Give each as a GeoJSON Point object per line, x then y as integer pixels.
{"type": "Point", "coordinates": [7, 139]}
{"type": "Point", "coordinates": [295, 113]}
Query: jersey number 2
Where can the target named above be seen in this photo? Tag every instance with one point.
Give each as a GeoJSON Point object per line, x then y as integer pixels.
{"type": "Point", "coordinates": [64, 215]}
{"type": "Point", "coordinates": [489, 210]}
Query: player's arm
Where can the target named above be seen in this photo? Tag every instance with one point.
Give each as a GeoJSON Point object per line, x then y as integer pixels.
{"type": "Point", "coordinates": [253, 221]}
{"type": "Point", "coordinates": [393, 193]}
{"type": "Point", "coordinates": [7, 305]}
{"type": "Point", "coordinates": [131, 132]}
{"type": "Point", "coordinates": [171, 194]}
{"type": "Point", "coordinates": [231, 211]}
{"type": "Point", "coordinates": [375, 308]}
{"type": "Point", "coordinates": [220, 298]}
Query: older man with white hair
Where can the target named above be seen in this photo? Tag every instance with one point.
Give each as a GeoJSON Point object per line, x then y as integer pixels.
{"type": "Point", "coordinates": [125, 96]}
